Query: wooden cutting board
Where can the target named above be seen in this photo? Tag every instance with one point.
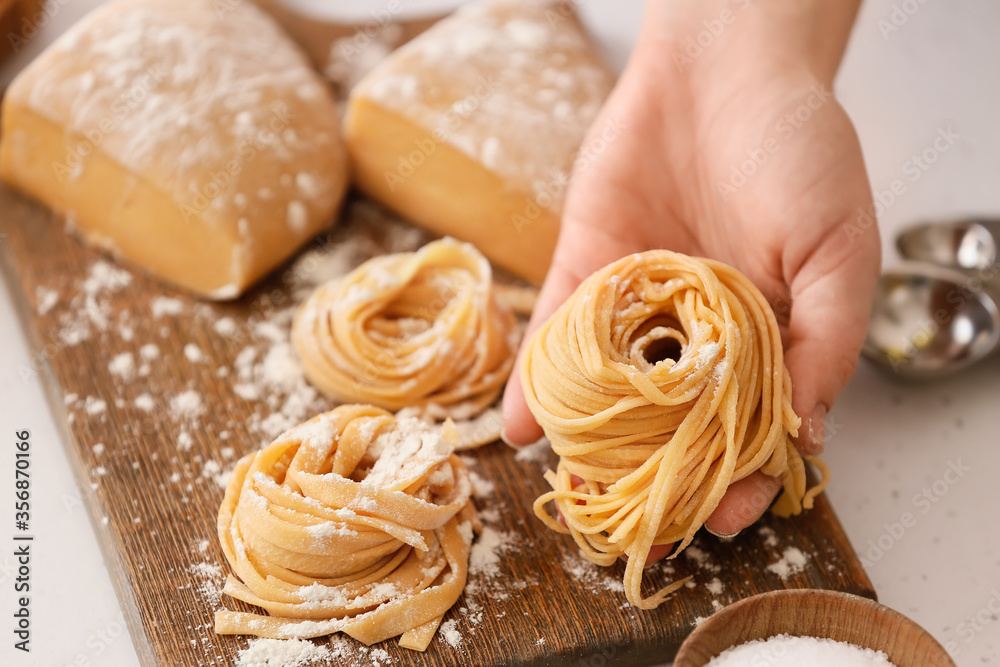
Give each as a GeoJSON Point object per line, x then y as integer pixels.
{"type": "Point", "coordinates": [150, 436]}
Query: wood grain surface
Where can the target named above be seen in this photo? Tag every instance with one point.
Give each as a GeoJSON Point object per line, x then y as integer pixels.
{"type": "Point", "coordinates": [149, 448]}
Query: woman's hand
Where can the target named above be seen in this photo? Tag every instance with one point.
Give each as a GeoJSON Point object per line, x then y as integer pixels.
{"type": "Point", "coordinates": [737, 152]}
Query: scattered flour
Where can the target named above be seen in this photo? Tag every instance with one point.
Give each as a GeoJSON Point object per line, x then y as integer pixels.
{"type": "Point", "coordinates": [193, 353]}
{"type": "Point", "coordinates": [46, 298]}
{"type": "Point", "coordinates": [770, 537]}
{"type": "Point", "coordinates": [123, 365]}
{"type": "Point", "coordinates": [90, 307]}
{"type": "Point", "coordinates": [95, 406]}
{"type": "Point", "coordinates": [145, 402]}
{"type": "Point", "coordinates": [379, 657]}
{"type": "Point", "coordinates": [163, 305]}
{"type": "Point", "coordinates": [484, 559]}
{"type": "Point", "coordinates": [281, 653]}
{"type": "Point", "coordinates": [701, 558]}
{"type": "Point", "coordinates": [535, 453]}
{"type": "Point", "coordinates": [482, 488]}
{"type": "Point", "coordinates": [268, 371]}
{"type": "Point", "coordinates": [792, 561]}
{"type": "Point", "coordinates": [221, 477]}
{"type": "Point", "coordinates": [449, 632]}
{"type": "Point", "coordinates": [593, 576]}
{"type": "Point", "coordinates": [225, 326]}
{"type": "Point", "coordinates": [186, 406]}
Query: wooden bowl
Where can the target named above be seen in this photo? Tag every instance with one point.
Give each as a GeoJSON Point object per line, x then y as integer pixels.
{"type": "Point", "coordinates": [814, 613]}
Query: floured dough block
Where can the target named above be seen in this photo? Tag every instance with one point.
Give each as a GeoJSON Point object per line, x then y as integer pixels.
{"type": "Point", "coordinates": [472, 128]}
{"type": "Point", "coordinates": [192, 138]}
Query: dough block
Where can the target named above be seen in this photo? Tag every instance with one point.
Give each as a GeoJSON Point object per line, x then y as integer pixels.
{"type": "Point", "coordinates": [192, 138]}
{"type": "Point", "coordinates": [471, 129]}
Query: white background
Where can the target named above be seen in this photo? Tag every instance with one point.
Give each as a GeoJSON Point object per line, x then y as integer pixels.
{"type": "Point", "coordinates": [890, 441]}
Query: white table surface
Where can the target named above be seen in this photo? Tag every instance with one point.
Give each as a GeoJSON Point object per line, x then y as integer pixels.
{"type": "Point", "coordinates": [891, 442]}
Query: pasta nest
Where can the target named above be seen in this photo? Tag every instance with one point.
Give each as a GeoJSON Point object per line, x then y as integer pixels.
{"type": "Point", "coordinates": [422, 330]}
{"type": "Point", "coordinates": [660, 382]}
{"type": "Point", "coordinates": [354, 521]}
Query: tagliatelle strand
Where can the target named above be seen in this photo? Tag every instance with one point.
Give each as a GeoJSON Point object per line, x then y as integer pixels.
{"type": "Point", "coordinates": [354, 522]}
{"type": "Point", "coordinates": [660, 382]}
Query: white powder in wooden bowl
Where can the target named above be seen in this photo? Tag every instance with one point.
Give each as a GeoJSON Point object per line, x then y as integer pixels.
{"type": "Point", "coordinates": [788, 651]}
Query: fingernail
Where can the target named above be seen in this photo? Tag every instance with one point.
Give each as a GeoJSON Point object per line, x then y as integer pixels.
{"type": "Point", "coordinates": [506, 440]}
{"type": "Point", "coordinates": [817, 429]}
{"type": "Point", "coordinates": [721, 535]}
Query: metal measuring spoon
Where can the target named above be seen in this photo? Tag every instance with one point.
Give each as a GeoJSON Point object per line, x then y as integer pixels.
{"type": "Point", "coordinates": [971, 244]}
{"type": "Point", "coordinates": [938, 313]}
{"type": "Point", "coordinates": [928, 321]}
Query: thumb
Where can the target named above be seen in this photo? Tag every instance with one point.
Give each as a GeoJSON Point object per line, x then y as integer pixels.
{"type": "Point", "coordinates": [580, 251]}
{"type": "Point", "coordinates": [519, 427]}
{"type": "Point", "coordinates": [831, 302]}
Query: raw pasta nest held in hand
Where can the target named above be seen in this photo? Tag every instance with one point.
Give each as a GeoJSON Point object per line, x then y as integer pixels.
{"type": "Point", "coordinates": [660, 382]}
{"type": "Point", "coordinates": [353, 522]}
{"type": "Point", "coordinates": [417, 330]}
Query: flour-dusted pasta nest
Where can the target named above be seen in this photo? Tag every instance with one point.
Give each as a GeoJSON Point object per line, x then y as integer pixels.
{"type": "Point", "coordinates": [422, 330]}
{"type": "Point", "coordinates": [353, 522]}
{"type": "Point", "coordinates": [660, 382]}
